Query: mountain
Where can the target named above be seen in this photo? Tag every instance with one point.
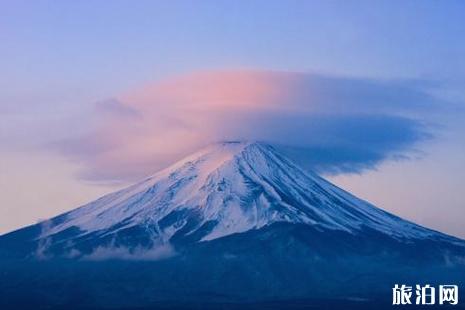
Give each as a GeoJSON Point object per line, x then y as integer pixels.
{"type": "Point", "coordinates": [233, 222]}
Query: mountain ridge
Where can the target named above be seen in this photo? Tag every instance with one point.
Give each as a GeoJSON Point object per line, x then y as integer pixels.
{"type": "Point", "coordinates": [222, 189]}
{"type": "Point", "coordinates": [234, 222]}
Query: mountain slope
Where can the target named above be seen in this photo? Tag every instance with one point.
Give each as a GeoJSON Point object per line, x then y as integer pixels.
{"type": "Point", "coordinates": [233, 223]}
{"type": "Point", "coordinates": [223, 189]}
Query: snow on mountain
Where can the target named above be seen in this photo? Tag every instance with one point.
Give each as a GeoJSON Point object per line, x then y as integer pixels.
{"type": "Point", "coordinates": [234, 222]}
{"type": "Point", "coordinates": [229, 188]}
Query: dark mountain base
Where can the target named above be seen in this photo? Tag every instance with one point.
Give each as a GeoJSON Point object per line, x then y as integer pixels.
{"type": "Point", "coordinates": [281, 266]}
{"type": "Point", "coordinates": [312, 304]}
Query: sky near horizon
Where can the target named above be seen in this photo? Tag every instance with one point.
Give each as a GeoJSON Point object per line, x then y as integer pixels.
{"type": "Point", "coordinates": [94, 95]}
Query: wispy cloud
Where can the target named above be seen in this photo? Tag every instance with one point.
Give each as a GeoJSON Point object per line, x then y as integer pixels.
{"type": "Point", "coordinates": [138, 253]}
{"type": "Point", "coordinates": [338, 124]}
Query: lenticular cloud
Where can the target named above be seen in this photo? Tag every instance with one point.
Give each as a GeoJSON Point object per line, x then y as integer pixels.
{"type": "Point", "coordinates": [330, 124]}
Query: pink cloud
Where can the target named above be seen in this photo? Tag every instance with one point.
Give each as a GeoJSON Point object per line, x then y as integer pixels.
{"type": "Point", "coordinates": [215, 90]}
{"type": "Point", "coordinates": [143, 130]}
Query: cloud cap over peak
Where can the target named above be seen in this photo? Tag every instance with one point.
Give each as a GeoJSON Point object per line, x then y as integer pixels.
{"type": "Point", "coordinates": [331, 124]}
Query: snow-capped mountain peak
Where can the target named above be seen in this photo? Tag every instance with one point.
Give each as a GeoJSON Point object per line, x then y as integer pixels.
{"type": "Point", "coordinates": [240, 217]}
{"type": "Point", "coordinates": [227, 188]}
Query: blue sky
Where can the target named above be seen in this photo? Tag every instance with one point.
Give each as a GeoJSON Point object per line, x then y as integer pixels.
{"type": "Point", "coordinates": [124, 43]}
{"type": "Point", "coordinates": [59, 58]}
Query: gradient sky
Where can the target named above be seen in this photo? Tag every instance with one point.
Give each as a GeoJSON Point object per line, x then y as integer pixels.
{"type": "Point", "coordinates": [371, 92]}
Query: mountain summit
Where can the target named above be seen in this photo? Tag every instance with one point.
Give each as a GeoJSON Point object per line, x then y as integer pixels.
{"type": "Point", "coordinates": [234, 221]}
{"type": "Point", "coordinates": [223, 189]}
